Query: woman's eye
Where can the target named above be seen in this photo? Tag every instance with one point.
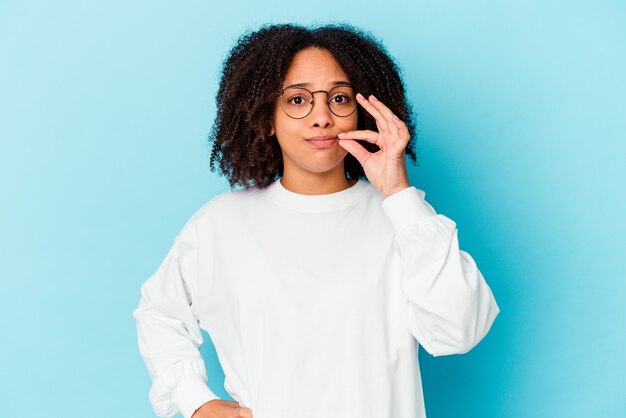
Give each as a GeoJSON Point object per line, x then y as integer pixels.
{"type": "Point", "coordinates": [340, 99]}
{"type": "Point", "coordinates": [297, 100]}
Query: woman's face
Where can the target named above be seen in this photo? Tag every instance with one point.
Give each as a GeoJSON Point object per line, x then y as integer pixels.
{"type": "Point", "coordinates": [314, 69]}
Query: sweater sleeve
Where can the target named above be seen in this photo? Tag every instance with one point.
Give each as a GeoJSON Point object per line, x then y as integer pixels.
{"type": "Point", "coordinates": [168, 332]}
{"type": "Point", "coordinates": [451, 307]}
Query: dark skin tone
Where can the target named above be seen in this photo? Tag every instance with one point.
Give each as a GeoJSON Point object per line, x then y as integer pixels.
{"type": "Point", "coordinates": [320, 171]}
{"type": "Point", "coordinates": [219, 408]}
{"type": "Point", "coordinates": [310, 170]}
{"type": "Point", "coordinates": [386, 168]}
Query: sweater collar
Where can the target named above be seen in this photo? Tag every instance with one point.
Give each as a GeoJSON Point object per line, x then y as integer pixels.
{"type": "Point", "coordinates": [318, 202]}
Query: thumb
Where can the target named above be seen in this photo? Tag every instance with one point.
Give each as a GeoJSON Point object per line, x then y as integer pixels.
{"type": "Point", "coordinates": [356, 149]}
{"type": "Point", "coordinates": [244, 413]}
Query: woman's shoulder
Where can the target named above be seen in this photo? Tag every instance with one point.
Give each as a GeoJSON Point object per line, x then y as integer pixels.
{"type": "Point", "coordinates": [227, 203]}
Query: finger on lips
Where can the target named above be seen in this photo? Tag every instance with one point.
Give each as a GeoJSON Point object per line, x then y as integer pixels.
{"type": "Point", "coordinates": [369, 136]}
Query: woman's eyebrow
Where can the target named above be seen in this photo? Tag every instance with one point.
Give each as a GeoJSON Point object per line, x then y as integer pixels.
{"type": "Point", "coordinates": [334, 83]}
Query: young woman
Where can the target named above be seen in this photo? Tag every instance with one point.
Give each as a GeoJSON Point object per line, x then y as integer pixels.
{"type": "Point", "coordinates": [319, 276]}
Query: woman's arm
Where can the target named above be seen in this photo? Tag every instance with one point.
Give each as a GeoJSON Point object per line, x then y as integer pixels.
{"type": "Point", "coordinates": [168, 332]}
{"type": "Point", "coordinates": [451, 307]}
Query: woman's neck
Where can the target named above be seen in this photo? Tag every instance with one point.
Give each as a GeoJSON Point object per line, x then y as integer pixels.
{"type": "Point", "coordinates": [316, 183]}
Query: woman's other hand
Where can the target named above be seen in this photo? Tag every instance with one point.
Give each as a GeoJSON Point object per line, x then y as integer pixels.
{"type": "Point", "coordinates": [219, 408]}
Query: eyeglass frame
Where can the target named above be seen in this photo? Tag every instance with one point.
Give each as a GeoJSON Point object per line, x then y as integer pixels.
{"type": "Point", "coordinates": [279, 94]}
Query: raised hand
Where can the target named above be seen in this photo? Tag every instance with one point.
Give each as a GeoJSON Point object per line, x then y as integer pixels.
{"type": "Point", "coordinates": [219, 408]}
{"type": "Point", "coordinates": [386, 168]}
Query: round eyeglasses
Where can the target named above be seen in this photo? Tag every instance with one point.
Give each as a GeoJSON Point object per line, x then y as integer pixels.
{"type": "Point", "coordinates": [297, 102]}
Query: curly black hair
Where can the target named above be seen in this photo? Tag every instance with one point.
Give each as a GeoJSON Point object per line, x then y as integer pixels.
{"type": "Point", "coordinates": [253, 73]}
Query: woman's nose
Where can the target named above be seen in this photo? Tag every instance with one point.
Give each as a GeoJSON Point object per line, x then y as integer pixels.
{"type": "Point", "coordinates": [320, 114]}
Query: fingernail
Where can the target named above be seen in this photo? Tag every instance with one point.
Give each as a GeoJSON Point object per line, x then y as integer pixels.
{"type": "Point", "coordinates": [360, 95]}
{"type": "Point", "coordinates": [341, 134]}
{"type": "Point", "coordinates": [373, 98]}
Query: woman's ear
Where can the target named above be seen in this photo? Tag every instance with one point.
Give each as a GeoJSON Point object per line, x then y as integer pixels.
{"type": "Point", "coordinates": [272, 131]}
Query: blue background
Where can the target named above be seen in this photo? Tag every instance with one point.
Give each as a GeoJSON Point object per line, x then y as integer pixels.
{"type": "Point", "coordinates": [105, 109]}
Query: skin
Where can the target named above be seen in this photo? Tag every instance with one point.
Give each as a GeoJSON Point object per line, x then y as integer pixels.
{"type": "Point", "coordinates": [309, 170]}
{"type": "Point", "coordinates": [385, 168]}
{"type": "Point", "coordinates": [219, 408]}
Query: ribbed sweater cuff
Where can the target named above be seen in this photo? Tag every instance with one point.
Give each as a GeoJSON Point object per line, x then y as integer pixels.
{"type": "Point", "coordinates": [406, 207]}
{"type": "Point", "coordinates": [191, 393]}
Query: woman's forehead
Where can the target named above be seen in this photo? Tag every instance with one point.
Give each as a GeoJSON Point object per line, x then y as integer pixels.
{"type": "Point", "coordinates": [310, 85]}
{"type": "Point", "coordinates": [315, 67]}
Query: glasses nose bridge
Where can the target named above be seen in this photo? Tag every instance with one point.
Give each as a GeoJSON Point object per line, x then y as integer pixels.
{"type": "Point", "coordinates": [325, 101]}
{"type": "Point", "coordinates": [319, 91]}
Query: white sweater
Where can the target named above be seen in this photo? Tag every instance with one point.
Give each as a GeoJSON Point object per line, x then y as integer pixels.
{"type": "Point", "coordinates": [314, 303]}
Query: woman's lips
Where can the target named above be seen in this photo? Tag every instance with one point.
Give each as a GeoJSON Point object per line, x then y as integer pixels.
{"type": "Point", "coordinates": [322, 141]}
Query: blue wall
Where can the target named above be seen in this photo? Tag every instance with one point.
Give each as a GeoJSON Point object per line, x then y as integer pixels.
{"type": "Point", "coordinates": [104, 113]}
